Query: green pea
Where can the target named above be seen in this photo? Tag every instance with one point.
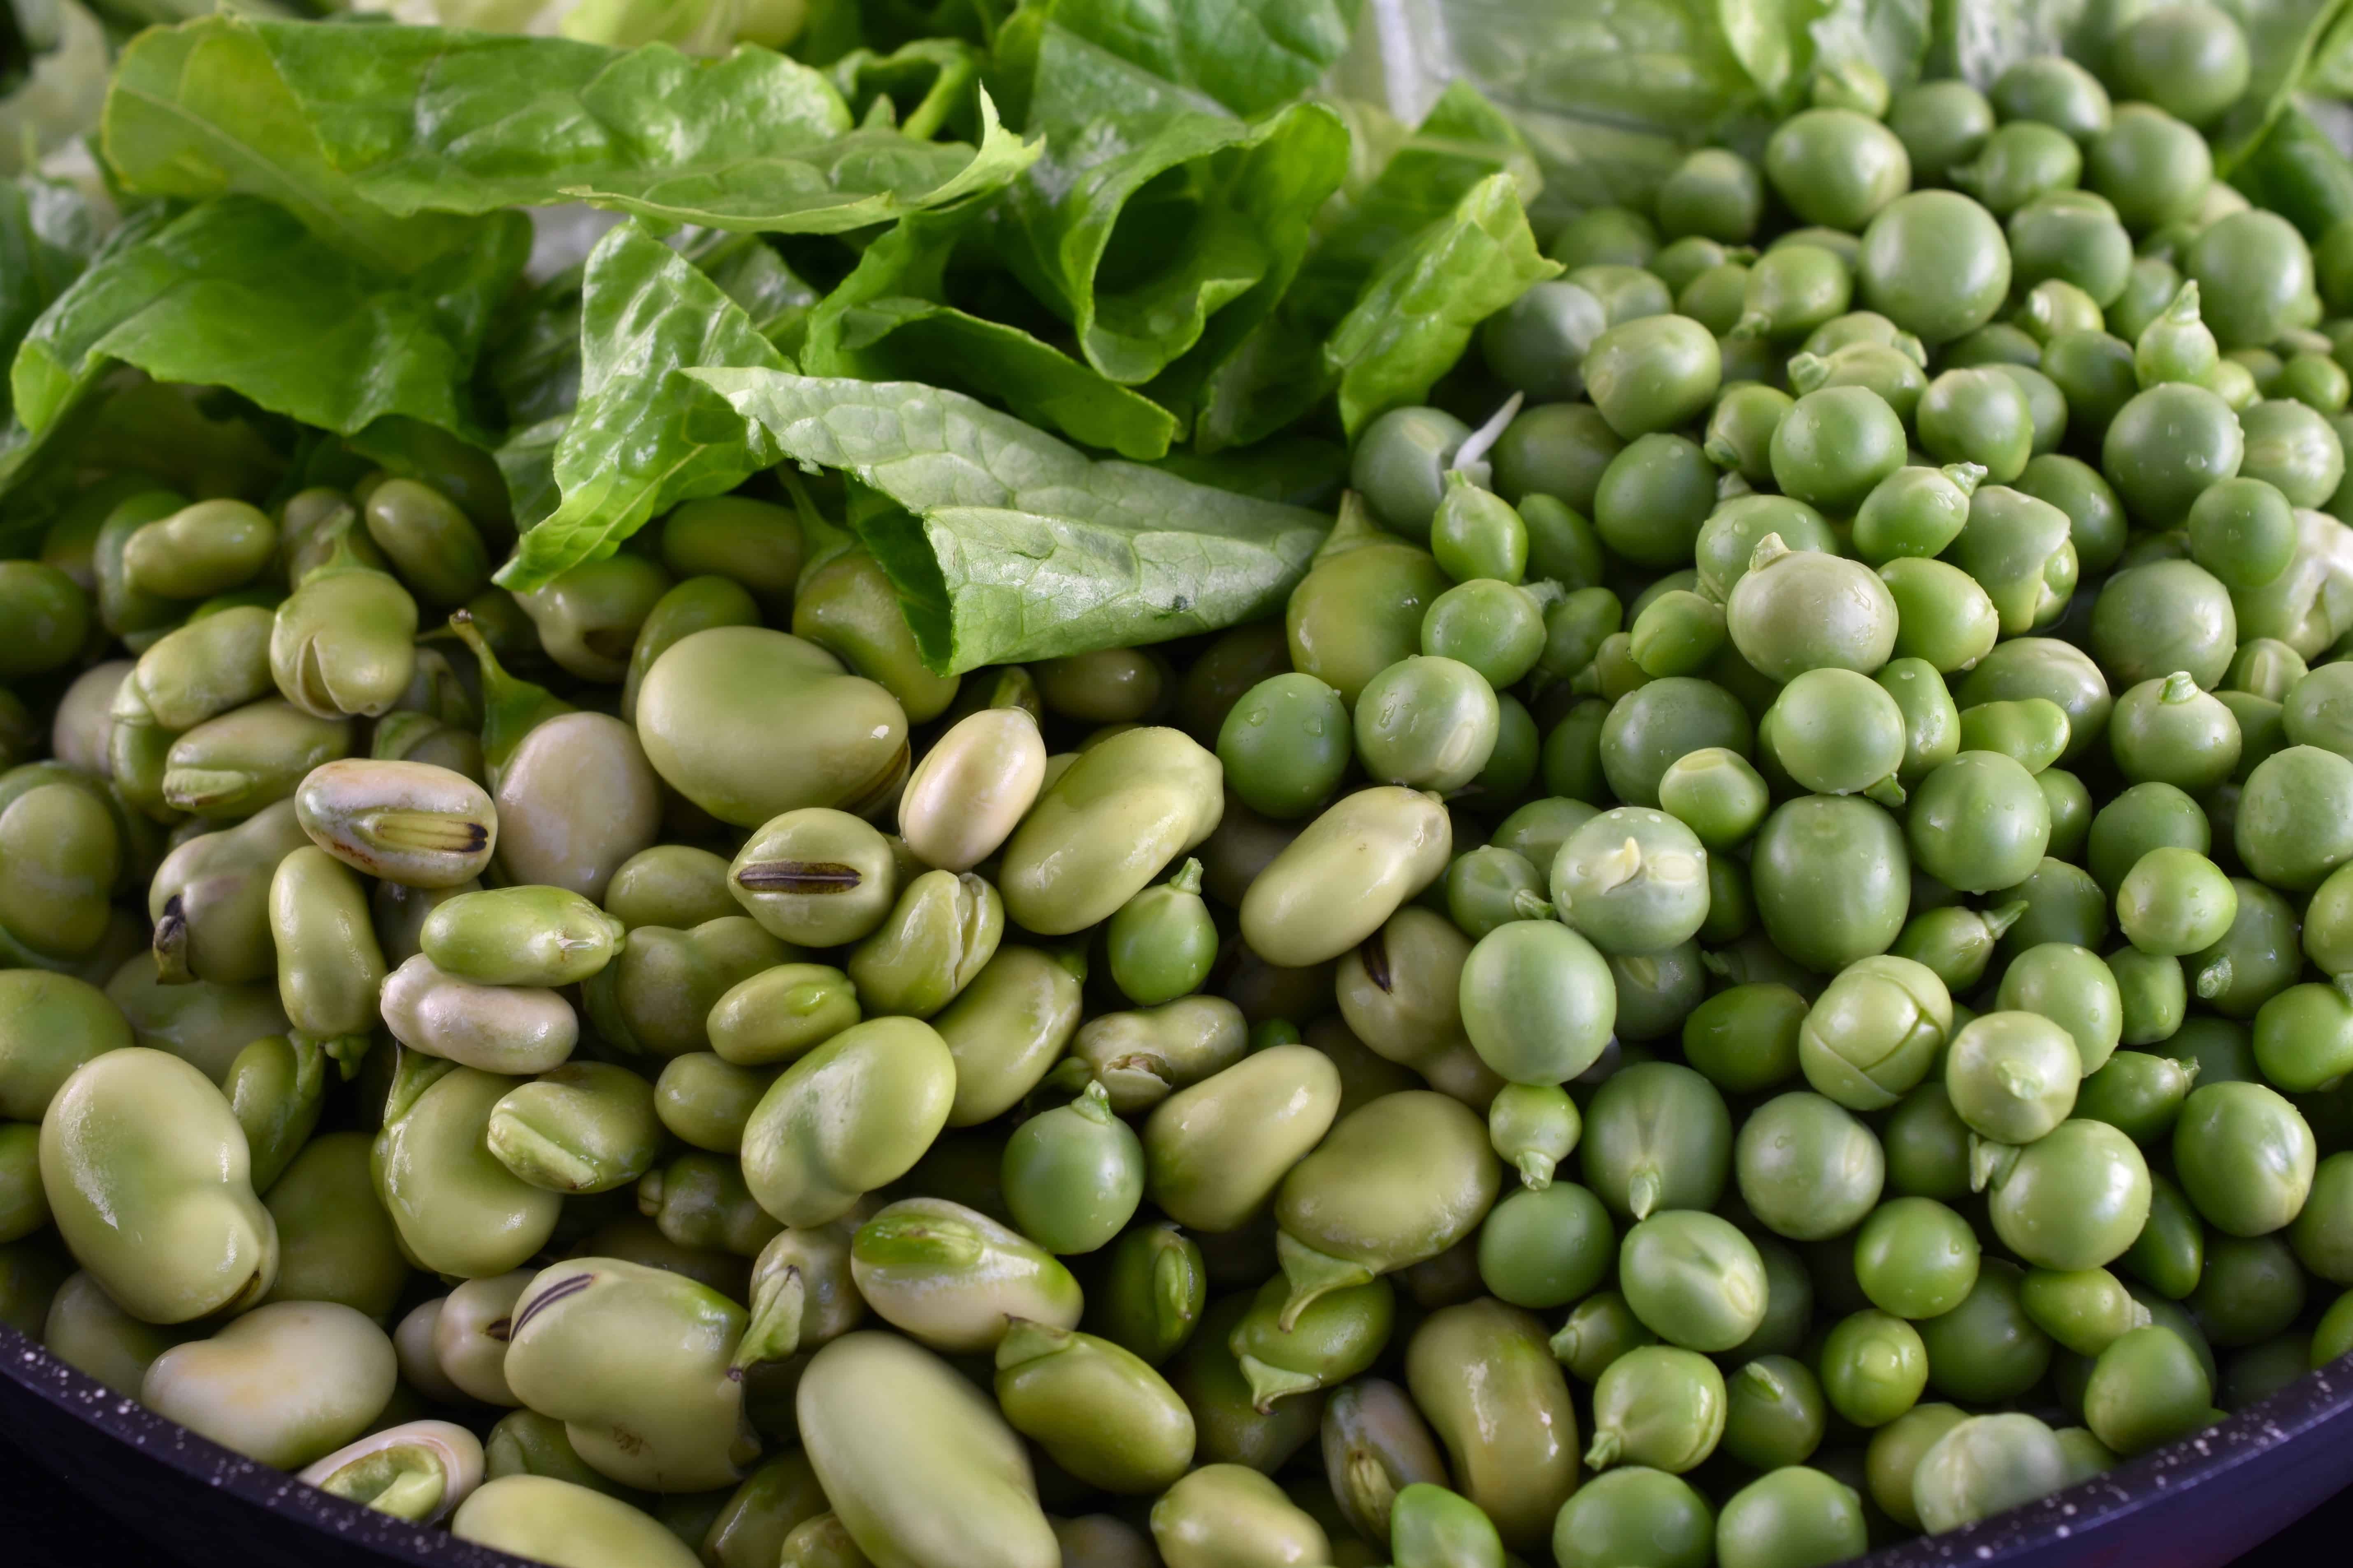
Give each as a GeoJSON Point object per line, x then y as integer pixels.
{"type": "Point", "coordinates": [1229, 1428]}
{"type": "Point", "coordinates": [2012, 1076]}
{"type": "Point", "coordinates": [1746, 1038]}
{"type": "Point", "coordinates": [2293, 447]}
{"type": "Point", "coordinates": [1491, 887]}
{"type": "Point", "coordinates": [1474, 534]}
{"type": "Point", "coordinates": [1493, 627]}
{"type": "Point", "coordinates": [1798, 609]}
{"type": "Point", "coordinates": [1836, 732]}
{"type": "Point", "coordinates": [1740, 428]}
{"type": "Point", "coordinates": [1075, 1175]}
{"type": "Point", "coordinates": [2069, 986]}
{"type": "Point", "coordinates": [1652, 373]}
{"type": "Point", "coordinates": [1546, 1247]}
{"type": "Point", "coordinates": [2256, 959]}
{"type": "Point", "coordinates": [2253, 1289]}
{"type": "Point", "coordinates": [1806, 1168]}
{"type": "Point", "coordinates": [1634, 1513]}
{"type": "Point", "coordinates": [1399, 466]}
{"type": "Point", "coordinates": [1791, 290]}
{"type": "Point", "coordinates": [1676, 633]}
{"type": "Point", "coordinates": [1536, 343]}
{"type": "Point", "coordinates": [1985, 1349]}
{"type": "Point", "coordinates": [2165, 447]}
{"type": "Point", "coordinates": [1555, 449]}
{"type": "Point", "coordinates": [1534, 1127]}
{"type": "Point", "coordinates": [1832, 879]}
{"type": "Point", "coordinates": [1653, 498]}
{"type": "Point", "coordinates": [1836, 444]}
{"type": "Point", "coordinates": [2244, 1156]}
{"type": "Point", "coordinates": [1537, 1001]}
{"type": "Point", "coordinates": [1693, 1280]}
{"type": "Point", "coordinates": [2146, 1389]}
{"type": "Point", "coordinates": [1658, 1406]}
{"type": "Point", "coordinates": [2076, 1198]}
{"type": "Point", "coordinates": [1426, 723]}
{"type": "Point", "coordinates": [1936, 263]}
{"type": "Point", "coordinates": [1627, 292]}
{"type": "Point", "coordinates": [1338, 1335]}
{"type": "Point", "coordinates": [1873, 1367]}
{"type": "Point", "coordinates": [2137, 1093]}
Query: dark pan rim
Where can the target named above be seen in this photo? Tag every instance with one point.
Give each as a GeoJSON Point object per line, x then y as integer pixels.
{"type": "Point", "coordinates": [2202, 1459]}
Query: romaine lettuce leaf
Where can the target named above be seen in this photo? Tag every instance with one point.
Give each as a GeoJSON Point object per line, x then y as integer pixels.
{"type": "Point", "coordinates": [1251, 55]}
{"type": "Point", "coordinates": [48, 231]}
{"type": "Point", "coordinates": [644, 436]}
{"type": "Point", "coordinates": [237, 294]}
{"type": "Point", "coordinates": [889, 321]}
{"type": "Point", "coordinates": [362, 130]}
{"type": "Point", "coordinates": [1417, 315]}
{"type": "Point", "coordinates": [1013, 545]}
{"type": "Point", "coordinates": [1280, 373]}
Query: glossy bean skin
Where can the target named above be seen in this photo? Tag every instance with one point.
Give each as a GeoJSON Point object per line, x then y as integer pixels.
{"type": "Point", "coordinates": [137, 1144]}
{"type": "Point", "coordinates": [1107, 827]}
{"type": "Point", "coordinates": [922, 1469]}
{"type": "Point", "coordinates": [1497, 1401]}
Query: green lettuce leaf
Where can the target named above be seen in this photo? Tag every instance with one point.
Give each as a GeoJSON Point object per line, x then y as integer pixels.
{"type": "Point", "coordinates": [1608, 93]}
{"type": "Point", "coordinates": [361, 129]}
{"type": "Point", "coordinates": [1977, 40]}
{"type": "Point", "coordinates": [1138, 233]}
{"type": "Point", "coordinates": [1418, 314]}
{"type": "Point", "coordinates": [2286, 40]}
{"type": "Point", "coordinates": [48, 231]}
{"type": "Point", "coordinates": [2294, 170]}
{"type": "Point", "coordinates": [889, 321]}
{"type": "Point", "coordinates": [526, 461]}
{"type": "Point", "coordinates": [644, 436]}
{"type": "Point", "coordinates": [237, 294]}
{"type": "Point", "coordinates": [1155, 210]}
{"type": "Point", "coordinates": [1013, 545]}
{"type": "Point", "coordinates": [1300, 470]}
{"type": "Point", "coordinates": [697, 27]}
{"type": "Point", "coordinates": [1251, 55]}
{"type": "Point", "coordinates": [1279, 376]}
{"type": "Point", "coordinates": [532, 367]}
{"type": "Point", "coordinates": [749, 271]}
{"type": "Point", "coordinates": [836, 27]}
{"type": "Point", "coordinates": [921, 88]}
{"type": "Point", "coordinates": [1892, 36]}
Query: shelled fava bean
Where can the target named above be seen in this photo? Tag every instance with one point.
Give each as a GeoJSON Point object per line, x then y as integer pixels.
{"type": "Point", "coordinates": [1758, 962]}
